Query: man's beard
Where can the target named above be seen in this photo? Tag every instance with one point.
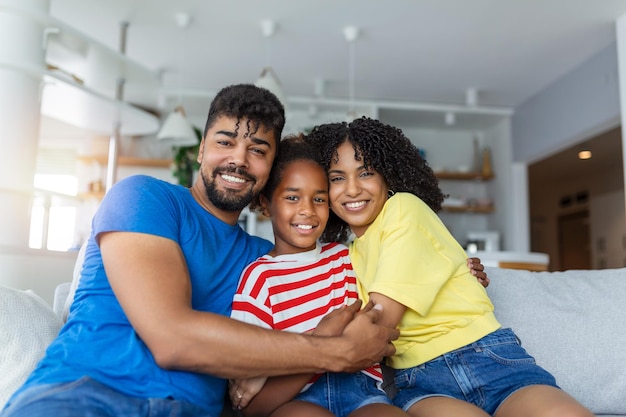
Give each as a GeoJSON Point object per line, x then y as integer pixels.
{"type": "Point", "coordinates": [227, 200]}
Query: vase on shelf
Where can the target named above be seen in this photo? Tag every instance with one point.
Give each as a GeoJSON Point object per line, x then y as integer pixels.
{"type": "Point", "coordinates": [486, 170]}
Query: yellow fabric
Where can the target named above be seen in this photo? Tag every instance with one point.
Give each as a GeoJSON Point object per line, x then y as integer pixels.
{"type": "Point", "coordinates": [409, 255]}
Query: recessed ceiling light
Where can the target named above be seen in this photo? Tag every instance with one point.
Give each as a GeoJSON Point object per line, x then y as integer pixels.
{"type": "Point", "coordinates": [584, 155]}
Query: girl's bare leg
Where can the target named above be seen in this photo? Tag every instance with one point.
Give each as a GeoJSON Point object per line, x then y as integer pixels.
{"type": "Point", "coordinates": [378, 410]}
{"type": "Point", "coordinates": [445, 407]}
{"type": "Point", "coordinates": [301, 409]}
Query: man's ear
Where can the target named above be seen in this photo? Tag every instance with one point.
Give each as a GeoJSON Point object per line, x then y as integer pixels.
{"type": "Point", "coordinates": [200, 151]}
{"type": "Point", "coordinates": [264, 206]}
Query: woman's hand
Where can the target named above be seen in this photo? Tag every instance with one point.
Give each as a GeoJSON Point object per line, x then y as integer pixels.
{"type": "Point", "coordinates": [478, 270]}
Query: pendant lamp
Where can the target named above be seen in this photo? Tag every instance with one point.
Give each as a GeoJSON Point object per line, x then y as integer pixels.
{"type": "Point", "coordinates": [178, 130]}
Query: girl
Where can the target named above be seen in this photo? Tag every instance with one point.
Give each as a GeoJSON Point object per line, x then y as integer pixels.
{"type": "Point", "coordinates": [294, 286]}
{"type": "Point", "coordinates": [452, 356]}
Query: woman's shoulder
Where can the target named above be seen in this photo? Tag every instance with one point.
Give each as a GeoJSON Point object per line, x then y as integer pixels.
{"type": "Point", "coordinates": [406, 202]}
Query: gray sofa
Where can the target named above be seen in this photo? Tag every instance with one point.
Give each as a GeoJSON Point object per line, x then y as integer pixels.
{"type": "Point", "coordinates": [573, 322]}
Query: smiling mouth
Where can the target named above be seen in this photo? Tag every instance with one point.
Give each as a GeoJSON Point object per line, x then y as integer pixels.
{"type": "Point", "coordinates": [233, 179]}
{"type": "Point", "coordinates": [305, 227]}
{"type": "Point", "coordinates": [355, 205]}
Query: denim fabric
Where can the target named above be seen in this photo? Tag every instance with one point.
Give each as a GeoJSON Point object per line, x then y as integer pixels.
{"type": "Point", "coordinates": [342, 393]}
{"type": "Point", "coordinates": [89, 398]}
{"type": "Point", "coordinates": [484, 373]}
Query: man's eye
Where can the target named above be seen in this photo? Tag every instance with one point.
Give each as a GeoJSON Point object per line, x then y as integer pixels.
{"type": "Point", "coordinates": [258, 151]}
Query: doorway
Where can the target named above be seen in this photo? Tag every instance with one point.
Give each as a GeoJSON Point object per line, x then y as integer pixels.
{"type": "Point", "coordinates": [574, 241]}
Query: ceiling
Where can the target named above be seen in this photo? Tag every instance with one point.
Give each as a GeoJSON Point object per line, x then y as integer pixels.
{"type": "Point", "coordinates": [426, 52]}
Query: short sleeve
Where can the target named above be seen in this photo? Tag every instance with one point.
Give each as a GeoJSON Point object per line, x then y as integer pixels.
{"type": "Point", "coordinates": [417, 255]}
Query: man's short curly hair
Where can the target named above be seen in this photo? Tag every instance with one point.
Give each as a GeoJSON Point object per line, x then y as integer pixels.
{"type": "Point", "coordinates": [383, 148]}
{"type": "Point", "coordinates": [256, 104]}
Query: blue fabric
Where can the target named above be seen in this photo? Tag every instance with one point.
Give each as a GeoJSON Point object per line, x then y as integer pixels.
{"type": "Point", "coordinates": [484, 373]}
{"type": "Point", "coordinates": [96, 400]}
{"type": "Point", "coordinates": [98, 341]}
{"type": "Point", "coordinates": [342, 393]}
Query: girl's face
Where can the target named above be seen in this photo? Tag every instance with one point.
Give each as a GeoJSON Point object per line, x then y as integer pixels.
{"type": "Point", "coordinates": [357, 194]}
{"type": "Point", "coordinates": [299, 208]}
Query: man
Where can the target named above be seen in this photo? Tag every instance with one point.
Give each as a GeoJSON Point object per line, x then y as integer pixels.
{"type": "Point", "coordinates": [148, 333]}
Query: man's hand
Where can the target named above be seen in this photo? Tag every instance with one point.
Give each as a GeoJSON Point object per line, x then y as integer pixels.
{"type": "Point", "coordinates": [478, 270]}
{"type": "Point", "coordinates": [368, 342]}
{"type": "Point", "coordinates": [336, 321]}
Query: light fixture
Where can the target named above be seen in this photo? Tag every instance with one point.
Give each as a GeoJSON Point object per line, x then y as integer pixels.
{"type": "Point", "coordinates": [268, 78]}
{"type": "Point", "coordinates": [351, 33]}
{"type": "Point", "coordinates": [471, 97]}
{"type": "Point", "coordinates": [176, 128]}
{"type": "Point", "coordinates": [450, 118]}
{"type": "Point", "coordinates": [584, 154]}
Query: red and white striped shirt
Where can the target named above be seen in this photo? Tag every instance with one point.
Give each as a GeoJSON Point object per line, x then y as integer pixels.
{"type": "Point", "coordinates": [294, 292]}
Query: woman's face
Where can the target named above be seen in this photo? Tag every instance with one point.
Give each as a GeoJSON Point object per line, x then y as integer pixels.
{"type": "Point", "coordinates": [357, 195]}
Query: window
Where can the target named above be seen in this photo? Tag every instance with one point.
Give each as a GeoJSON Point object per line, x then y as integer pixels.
{"type": "Point", "coordinates": [54, 208]}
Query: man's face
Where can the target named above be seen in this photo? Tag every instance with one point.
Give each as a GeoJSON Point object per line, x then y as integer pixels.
{"type": "Point", "coordinates": [235, 161]}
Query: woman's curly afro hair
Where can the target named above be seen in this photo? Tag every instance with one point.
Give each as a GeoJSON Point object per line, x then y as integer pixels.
{"type": "Point", "coordinates": [383, 148]}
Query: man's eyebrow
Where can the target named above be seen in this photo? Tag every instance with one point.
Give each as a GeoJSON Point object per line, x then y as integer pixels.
{"type": "Point", "coordinates": [260, 141]}
{"type": "Point", "coordinates": [226, 133]}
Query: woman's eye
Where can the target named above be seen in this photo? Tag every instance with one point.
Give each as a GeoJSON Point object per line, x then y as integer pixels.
{"type": "Point", "coordinates": [335, 179]}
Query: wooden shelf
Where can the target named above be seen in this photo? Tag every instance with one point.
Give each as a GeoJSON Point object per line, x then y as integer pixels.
{"type": "Point", "coordinates": [468, 209]}
{"type": "Point", "coordinates": [464, 176]}
{"type": "Point", "coordinates": [127, 161]}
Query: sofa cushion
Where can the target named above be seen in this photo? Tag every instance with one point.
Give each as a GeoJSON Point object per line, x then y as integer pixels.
{"type": "Point", "coordinates": [574, 323]}
{"type": "Point", "coordinates": [27, 326]}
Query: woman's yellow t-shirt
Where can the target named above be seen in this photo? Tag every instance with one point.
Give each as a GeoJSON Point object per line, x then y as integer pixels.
{"type": "Point", "coordinates": [409, 255]}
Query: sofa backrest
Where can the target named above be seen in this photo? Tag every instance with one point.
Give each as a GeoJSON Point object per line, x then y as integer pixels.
{"type": "Point", "coordinates": [574, 324]}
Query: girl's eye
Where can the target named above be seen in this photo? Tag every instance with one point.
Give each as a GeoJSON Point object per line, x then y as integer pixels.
{"type": "Point", "coordinates": [320, 200]}
{"type": "Point", "coordinates": [291, 198]}
{"type": "Point", "coordinates": [335, 179]}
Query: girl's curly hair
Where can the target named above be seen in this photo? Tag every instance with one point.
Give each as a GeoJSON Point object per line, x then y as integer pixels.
{"type": "Point", "coordinates": [383, 148]}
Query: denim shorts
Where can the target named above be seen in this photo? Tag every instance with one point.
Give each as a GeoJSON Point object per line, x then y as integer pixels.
{"type": "Point", "coordinates": [342, 393]}
{"type": "Point", "coordinates": [484, 373]}
{"type": "Point", "coordinates": [87, 397]}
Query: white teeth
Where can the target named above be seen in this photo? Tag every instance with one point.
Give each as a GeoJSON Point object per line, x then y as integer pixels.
{"type": "Point", "coordinates": [304, 226]}
{"type": "Point", "coordinates": [355, 205]}
{"type": "Point", "coordinates": [230, 178]}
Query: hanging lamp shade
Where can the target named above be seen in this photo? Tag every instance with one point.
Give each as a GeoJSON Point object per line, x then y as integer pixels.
{"type": "Point", "coordinates": [269, 81]}
{"type": "Point", "coordinates": [178, 130]}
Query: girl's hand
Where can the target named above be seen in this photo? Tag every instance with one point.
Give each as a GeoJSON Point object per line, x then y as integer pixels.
{"type": "Point", "coordinates": [478, 270]}
{"type": "Point", "coordinates": [242, 391]}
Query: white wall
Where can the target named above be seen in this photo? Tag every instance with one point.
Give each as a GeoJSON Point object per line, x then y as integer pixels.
{"type": "Point", "coordinates": [580, 104]}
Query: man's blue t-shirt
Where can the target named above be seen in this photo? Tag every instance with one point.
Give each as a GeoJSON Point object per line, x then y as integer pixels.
{"type": "Point", "coordinates": [98, 340]}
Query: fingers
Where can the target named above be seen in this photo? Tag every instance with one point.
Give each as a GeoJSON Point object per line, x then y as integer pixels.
{"type": "Point", "coordinates": [238, 399]}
